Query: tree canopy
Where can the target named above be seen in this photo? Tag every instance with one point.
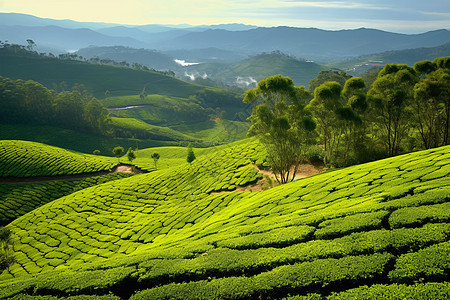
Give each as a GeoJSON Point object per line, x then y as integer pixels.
{"type": "Point", "coordinates": [281, 123]}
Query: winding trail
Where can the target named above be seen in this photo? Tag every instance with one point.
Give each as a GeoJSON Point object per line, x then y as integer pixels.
{"type": "Point", "coordinates": [303, 171]}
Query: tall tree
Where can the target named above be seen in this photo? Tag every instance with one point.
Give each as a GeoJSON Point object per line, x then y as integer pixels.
{"type": "Point", "coordinates": [281, 123]}
{"type": "Point", "coordinates": [131, 155]}
{"type": "Point", "coordinates": [324, 105]}
{"type": "Point", "coordinates": [190, 154]}
{"type": "Point", "coordinates": [117, 151]}
{"type": "Point", "coordinates": [155, 157]}
{"type": "Point", "coordinates": [356, 120]}
{"type": "Point", "coordinates": [96, 115]}
{"type": "Point", "coordinates": [431, 104]}
{"type": "Point", "coordinates": [389, 96]}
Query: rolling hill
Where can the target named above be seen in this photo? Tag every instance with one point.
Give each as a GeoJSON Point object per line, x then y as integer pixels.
{"type": "Point", "coordinates": [248, 72]}
{"type": "Point", "coordinates": [98, 79]}
{"type": "Point", "coordinates": [373, 231]}
{"type": "Point", "coordinates": [29, 159]}
{"type": "Point", "coordinates": [153, 59]}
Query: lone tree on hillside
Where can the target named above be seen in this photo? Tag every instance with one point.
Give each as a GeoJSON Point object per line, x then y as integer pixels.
{"type": "Point", "coordinates": [190, 154]}
{"type": "Point", "coordinates": [117, 151]}
{"type": "Point", "coordinates": [281, 123]}
{"type": "Point", "coordinates": [131, 155]}
{"type": "Point", "coordinates": [155, 157]}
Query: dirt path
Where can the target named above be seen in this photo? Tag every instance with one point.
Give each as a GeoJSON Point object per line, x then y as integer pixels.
{"type": "Point", "coordinates": [118, 169]}
{"type": "Point", "coordinates": [303, 171]}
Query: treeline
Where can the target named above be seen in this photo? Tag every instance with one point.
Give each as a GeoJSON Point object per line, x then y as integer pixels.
{"type": "Point", "coordinates": [405, 109]}
{"type": "Point", "coordinates": [29, 102]}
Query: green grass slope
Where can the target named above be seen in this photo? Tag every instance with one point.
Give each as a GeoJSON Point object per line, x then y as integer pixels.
{"type": "Point", "coordinates": [375, 231]}
{"type": "Point", "coordinates": [30, 159]}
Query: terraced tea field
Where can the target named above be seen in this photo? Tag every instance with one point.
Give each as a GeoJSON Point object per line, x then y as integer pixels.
{"type": "Point", "coordinates": [373, 231]}
{"type": "Point", "coordinates": [17, 199]}
{"type": "Point", "coordinates": [30, 159]}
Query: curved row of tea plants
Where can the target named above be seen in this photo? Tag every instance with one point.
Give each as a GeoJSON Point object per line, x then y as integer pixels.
{"type": "Point", "coordinates": [350, 233]}
{"type": "Point", "coordinates": [17, 199]}
{"type": "Point", "coordinates": [30, 159]}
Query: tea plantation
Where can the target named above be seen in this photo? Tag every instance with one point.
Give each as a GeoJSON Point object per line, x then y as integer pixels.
{"type": "Point", "coordinates": [30, 159]}
{"type": "Point", "coordinates": [374, 231]}
{"type": "Point", "coordinates": [17, 199]}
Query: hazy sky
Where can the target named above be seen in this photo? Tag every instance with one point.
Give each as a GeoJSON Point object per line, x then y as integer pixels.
{"type": "Point", "coordinates": [394, 15]}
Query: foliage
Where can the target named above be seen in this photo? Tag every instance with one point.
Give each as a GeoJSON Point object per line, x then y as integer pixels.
{"type": "Point", "coordinates": [337, 123]}
{"type": "Point", "coordinates": [30, 102]}
{"type": "Point", "coordinates": [117, 151]}
{"type": "Point", "coordinates": [431, 104]}
{"type": "Point", "coordinates": [190, 154]}
{"type": "Point", "coordinates": [155, 156]}
{"type": "Point", "coordinates": [328, 75]}
{"type": "Point", "coordinates": [389, 96]}
{"type": "Point", "coordinates": [281, 123]}
{"type": "Point", "coordinates": [130, 155]}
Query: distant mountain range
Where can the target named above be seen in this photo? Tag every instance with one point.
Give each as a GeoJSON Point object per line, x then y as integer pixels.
{"type": "Point", "coordinates": [309, 43]}
{"type": "Point", "coordinates": [356, 66]}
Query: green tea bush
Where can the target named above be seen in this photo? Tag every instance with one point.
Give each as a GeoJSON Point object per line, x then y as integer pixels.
{"type": "Point", "coordinates": [429, 263]}
{"type": "Point", "coordinates": [279, 280]}
{"type": "Point", "coordinates": [341, 226]}
{"type": "Point", "coordinates": [17, 199]}
{"type": "Point", "coordinates": [419, 291]}
{"type": "Point", "coordinates": [417, 215]}
{"type": "Point", "coordinates": [274, 238]}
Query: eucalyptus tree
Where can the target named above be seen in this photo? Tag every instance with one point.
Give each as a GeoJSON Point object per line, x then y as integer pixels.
{"type": "Point", "coordinates": [281, 123]}
{"type": "Point", "coordinates": [431, 103]}
{"type": "Point", "coordinates": [389, 97]}
{"type": "Point", "coordinates": [358, 121]}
